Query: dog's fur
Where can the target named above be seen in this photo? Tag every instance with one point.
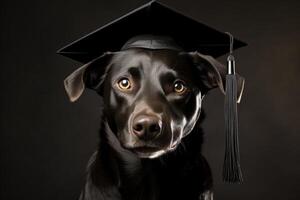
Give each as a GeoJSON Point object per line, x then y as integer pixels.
{"type": "Point", "coordinates": [172, 166]}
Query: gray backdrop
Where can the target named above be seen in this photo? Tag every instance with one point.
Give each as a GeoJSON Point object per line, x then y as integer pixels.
{"type": "Point", "coordinates": [46, 141]}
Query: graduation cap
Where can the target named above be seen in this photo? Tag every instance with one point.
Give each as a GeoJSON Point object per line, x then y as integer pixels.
{"type": "Point", "coordinates": [156, 26]}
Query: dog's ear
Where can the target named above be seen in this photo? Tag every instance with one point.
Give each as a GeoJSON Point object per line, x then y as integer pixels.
{"type": "Point", "coordinates": [213, 73]}
{"type": "Point", "coordinates": [90, 75]}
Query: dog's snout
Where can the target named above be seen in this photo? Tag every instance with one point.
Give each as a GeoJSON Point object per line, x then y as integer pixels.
{"type": "Point", "coordinates": [146, 127]}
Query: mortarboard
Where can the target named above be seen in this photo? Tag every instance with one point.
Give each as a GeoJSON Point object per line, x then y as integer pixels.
{"type": "Point", "coordinates": [156, 26]}
{"type": "Point", "coordinates": [152, 18]}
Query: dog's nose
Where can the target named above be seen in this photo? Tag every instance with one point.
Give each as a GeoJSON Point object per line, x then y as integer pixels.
{"type": "Point", "coordinates": [146, 127]}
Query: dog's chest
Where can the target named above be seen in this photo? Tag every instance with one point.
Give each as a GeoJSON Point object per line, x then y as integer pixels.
{"type": "Point", "coordinates": [158, 182]}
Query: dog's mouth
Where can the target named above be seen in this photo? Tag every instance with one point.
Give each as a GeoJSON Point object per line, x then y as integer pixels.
{"type": "Point", "coordinates": [147, 151]}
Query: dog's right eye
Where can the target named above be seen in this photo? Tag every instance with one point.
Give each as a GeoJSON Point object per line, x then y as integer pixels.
{"type": "Point", "coordinates": [124, 84]}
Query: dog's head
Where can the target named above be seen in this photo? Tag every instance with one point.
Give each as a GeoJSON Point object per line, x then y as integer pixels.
{"type": "Point", "coordinates": [152, 98]}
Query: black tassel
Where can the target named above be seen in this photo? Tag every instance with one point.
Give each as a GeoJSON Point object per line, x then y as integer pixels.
{"type": "Point", "coordinates": [231, 170]}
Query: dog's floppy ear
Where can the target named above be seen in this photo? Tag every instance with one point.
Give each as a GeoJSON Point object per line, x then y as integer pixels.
{"type": "Point", "coordinates": [213, 73]}
{"type": "Point", "coordinates": [90, 75]}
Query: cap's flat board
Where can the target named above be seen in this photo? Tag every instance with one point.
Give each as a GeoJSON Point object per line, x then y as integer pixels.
{"type": "Point", "coordinates": [151, 18]}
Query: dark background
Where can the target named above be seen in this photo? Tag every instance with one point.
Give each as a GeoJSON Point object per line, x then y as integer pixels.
{"type": "Point", "coordinates": [46, 141]}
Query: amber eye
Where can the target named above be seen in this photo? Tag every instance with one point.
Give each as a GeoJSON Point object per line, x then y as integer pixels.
{"type": "Point", "coordinates": [179, 87]}
{"type": "Point", "coordinates": [124, 84]}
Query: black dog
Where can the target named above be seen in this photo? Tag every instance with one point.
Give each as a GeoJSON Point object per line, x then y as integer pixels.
{"type": "Point", "coordinates": [150, 138]}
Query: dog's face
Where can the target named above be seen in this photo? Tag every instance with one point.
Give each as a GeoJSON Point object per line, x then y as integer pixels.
{"type": "Point", "coordinates": [152, 98]}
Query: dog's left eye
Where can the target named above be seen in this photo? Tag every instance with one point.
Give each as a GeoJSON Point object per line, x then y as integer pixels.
{"type": "Point", "coordinates": [124, 84]}
{"type": "Point", "coordinates": [179, 87]}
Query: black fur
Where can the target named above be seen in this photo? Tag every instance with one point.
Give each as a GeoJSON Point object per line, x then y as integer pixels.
{"type": "Point", "coordinates": [169, 164]}
{"type": "Point", "coordinates": [182, 174]}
